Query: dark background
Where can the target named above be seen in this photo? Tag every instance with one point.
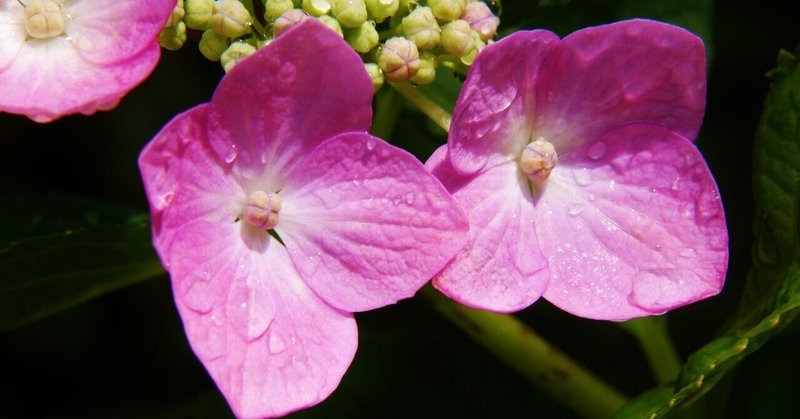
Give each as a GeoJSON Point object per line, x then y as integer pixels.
{"type": "Point", "coordinates": [125, 355]}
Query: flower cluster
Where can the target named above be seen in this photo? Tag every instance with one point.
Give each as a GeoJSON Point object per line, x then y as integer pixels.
{"type": "Point", "coordinates": [398, 40]}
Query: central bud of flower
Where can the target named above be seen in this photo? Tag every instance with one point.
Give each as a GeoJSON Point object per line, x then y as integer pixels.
{"type": "Point", "coordinates": [43, 19]}
{"type": "Point", "coordinates": [538, 159]}
{"type": "Point", "coordinates": [262, 210]}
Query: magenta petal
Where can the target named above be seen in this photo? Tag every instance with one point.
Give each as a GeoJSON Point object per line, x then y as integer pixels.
{"type": "Point", "coordinates": [634, 71]}
{"type": "Point", "coordinates": [501, 268]}
{"type": "Point", "coordinates": [278, 104]}
{"type": "Point", "coordinates": [493, 115]}
{"type": "Point", "coordinates": [270, 344]}
{"type": "Point", "coordinates": [185, 180]}
{"type": "Point", "coordinates": [632, 224]}
{"type": "Point", "coordinates": [366, 224]}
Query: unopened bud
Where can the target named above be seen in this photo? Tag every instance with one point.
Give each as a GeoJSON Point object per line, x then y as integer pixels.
{"type": "Point", "coordinates": [43, 19]}
{"type": "Point", "coordinates": [446, 10]}
{"type": "Point", "coordinates": [399, 59]}
{"type": "Point", "coordinates": [469, 57]}
{"type": "Point", "coordinates": [230, 18]}
{"type": "Point", "coordinates": [481, 19]}
{"type": "Point", "coordinates": [375, 74]}
{"type": "Point", "coordinates": [427, 69]}
{"type": "Point", "coordinates": [287, 20]}
{"type": "Point", "coordinates": [362, 38]}
{"type": "Point", "coordinates": [421, 28]}
{"type": "Point", "coordinates": [262, 210]}
{"type": "Point", "coordinates": [332, 23]}
{"type": "Point", "coordinates": [457, 38]}
{"type": "Point", "coordinates": [273, 9]}
{"type": "Point", "coordinates": [173, 37]}
{"type": "Point", "coordinates": [379, 10]}
{"type": "Point", "coordinates": [177, 14]}
{"type": "Point", "coordinates": [212, 45]}
{"type": "Point", "coordinates": [235, 53]}
{"type": "Point", "coordinates": [198, 13]}
{"type": "Point", "coordinates": [538, 159]}
{"type": "Point", "coordinates": [350, 13]}
{"type": "Point", "coordinates": [317, 7]}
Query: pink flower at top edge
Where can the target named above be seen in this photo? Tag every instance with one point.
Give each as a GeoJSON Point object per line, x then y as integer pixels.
{"type": "Point", "coordinates": [573, 161]}
{"type": "Point", "coordinates": [60, 57]}
{"type": "Point", "coordinates": [282, 146]}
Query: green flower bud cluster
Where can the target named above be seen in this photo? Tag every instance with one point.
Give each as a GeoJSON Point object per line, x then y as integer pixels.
{"type": "Point", "coordinates": [399, 40]}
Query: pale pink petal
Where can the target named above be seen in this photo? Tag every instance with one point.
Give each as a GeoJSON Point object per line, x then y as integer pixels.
{"type": "Point", "coordinates": [634, 71]}
{"type": "Point", "coordinates": [12, 31]}
{"type": "Point", "coordinates": [493, 115]}
{"type": "Point", "coordinates": [49, 79]}
{"type": "Point", "coordinates": [366, 224]}
{"type": "Point", "coordinates": [501, 268]}
{"type": "Point", "coordinates": [270, 344]}
{"type": "Point", "coordinates": [632, 224]}
{"type": "Point", "coordinates": [277, 105]}
{"type": "Point", "coordinates": [112, 31]}
{"type": "Point", "coordinates": [185, 180]}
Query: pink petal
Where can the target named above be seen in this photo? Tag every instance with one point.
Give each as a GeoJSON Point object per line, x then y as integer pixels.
{"type": "Point", "coordinates": [366, 224]}
{"type": "Point", "coordinates": [12, 31]}
{"type": "Point", "coordinates": [634, 71]}
{"type": "Point", "coordinates": [112, 31]}
{"type": "Point", "coordinates": [270, 344]}
{"type": "Point", "coordinates": [49, 79]}
{"type": "Point", "coordinates": [492, 118]}
{"type": "Point", "coordinates": [501, 268]}
{"type": "Point", "coordinates": [185, 180]}
{"type": "Point", "coordinates": [632, 224]}
{"type": "Point", "coordinates": [276, 106]}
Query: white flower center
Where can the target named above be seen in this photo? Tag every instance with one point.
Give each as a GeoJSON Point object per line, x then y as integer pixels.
{"type": "Point", "coordinates": [43, 19]}
{"type": "Point", "coordinates": [262, 210]}
{"type": "Point", "coordinates": [538, 159]}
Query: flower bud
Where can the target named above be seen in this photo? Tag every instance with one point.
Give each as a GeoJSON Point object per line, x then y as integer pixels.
{"type": "Point", "coordinates": [332, 23]}
{"type": "Point", "coordinates": [43, 19]}
{"type": "Point", "coordinates": [538, 159]}
{"type": "Point", "coordinates": [173, 37]}
{"type": "Point", "coordinates": [288, 19]}
{"type": "Point", "coordinates": [421, 28]}
{"type": "Point", "coordinates": [379, 10]}
{"type": "Point", "coordinates": [427, 69]}
{"type": "Point", "coordinates": [212, 45]}
{"type": "Point", "coordinates": [446, 10]}
{"type": "Point", "coordinates": [177, 14]}
{"type": "Point", "coordinates": [198, 13]}
{"type": "Point", "coordinates": [375, 74]}
{"type": "Point", "coordinates": [362, 38]}
{"type": "Point", "coordinates": [469, 57]}
{"type": "Point", "coordinates": [457, 38]}
{"type": "Point", "coordinates": [399, 59]}
{"type": "Point", "coordinates": [235, 53]}
{"type": "Point", "coordinates": [273, 9]}
{"type": "Point", "coordinates": [317, 7]}
{"type": "Point", "coordinates": [230, 18]}
{"type": "Point", "coordinates": [481, 19]}
{"type": "Point", "coordinates": [350, 13]}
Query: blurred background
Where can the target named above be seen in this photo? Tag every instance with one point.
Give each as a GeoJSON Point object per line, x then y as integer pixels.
{"type": "Point", "coordinates": [124, 354]}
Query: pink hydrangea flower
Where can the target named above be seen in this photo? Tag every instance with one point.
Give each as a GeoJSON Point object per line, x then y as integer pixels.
{"type": "Point", "coordinates": [59, 57]}
{"type": "Point", "coordinates": [282, 148]}
{"type": "Point", "coordinates": [573, 161]}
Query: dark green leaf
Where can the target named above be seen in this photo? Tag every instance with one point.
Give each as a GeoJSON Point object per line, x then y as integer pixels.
{"type": "Point", "coordinates": [45, 274]}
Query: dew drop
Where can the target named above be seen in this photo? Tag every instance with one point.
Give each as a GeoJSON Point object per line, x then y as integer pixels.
{"type": "Point", "coordinates": [370, 143]}
{"type": "Point", "coordinates": [597, 150]}
{"type": "Point", "coordinates": [583, 177]}
{"type": "Point", "coordinates": [230, 156]}
{"type": "Point", "coordinates": [410, 198]}
{"type": "Point", "coordinates": [687, 253]}
{"type": "Point", "coordinates": [165, 199]}
{"type": "Point", "coordinates": [397, 199]}
{"type": "Point", "coordinates": [276, 343]}
{"type": "Point", "coordinates": [577, 209]}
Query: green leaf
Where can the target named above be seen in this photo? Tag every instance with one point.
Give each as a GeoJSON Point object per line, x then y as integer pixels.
{"type": "Point", "coordinates": [771, 300]}
{"type": "Point", "coordinates": [46, 274]}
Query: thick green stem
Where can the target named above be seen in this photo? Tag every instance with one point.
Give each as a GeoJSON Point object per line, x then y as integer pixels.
{"type": "Point", "coordinates": [425, 104]}
{"type": "Point", "coordinates": [653, 337]}
{"type": "Point", "coordinates": [529, 354]}
{"type": "Point", "coordinates": [387, 107]}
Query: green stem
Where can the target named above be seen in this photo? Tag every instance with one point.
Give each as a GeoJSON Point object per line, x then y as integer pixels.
{"type": "Point", "coordinates": [653, 337]}
{"type": "Point", "coordinates": [425, 104]}
{"type": "Point", "coordinates": [387, 107]}
{"type": "Point", "coordinates": [532, 356]}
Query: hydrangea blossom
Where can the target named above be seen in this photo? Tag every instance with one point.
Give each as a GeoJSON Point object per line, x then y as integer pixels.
{"type": "Point", "coordinates": [277, 216]}
{"type": "Point", "coordinates": [60, 57]}
{"type": "Point", "coordinates": [573, 161]}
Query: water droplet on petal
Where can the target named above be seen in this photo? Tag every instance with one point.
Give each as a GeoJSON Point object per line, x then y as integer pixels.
{"type": "Point", "coordinates": [230, 156]}
{"type": "Point", "coordinates": [597, 150]}
{"type": "Point", "coordinates": [687, 253]}
{"type": "Point", "coordinates": [577, 209]}
{"type": "Point", "coordinates": [583, 177]}
{"type": "Point", "coordinates": [370, 143]}
{"type": "Point", "coordinates": [410, 198]}
{"type": "Point", "coordinates": [165, 199]}
{"type": "Point", "coordinates": [397, 199]}
{"type": "Point", "coordinates": [276, 343]}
